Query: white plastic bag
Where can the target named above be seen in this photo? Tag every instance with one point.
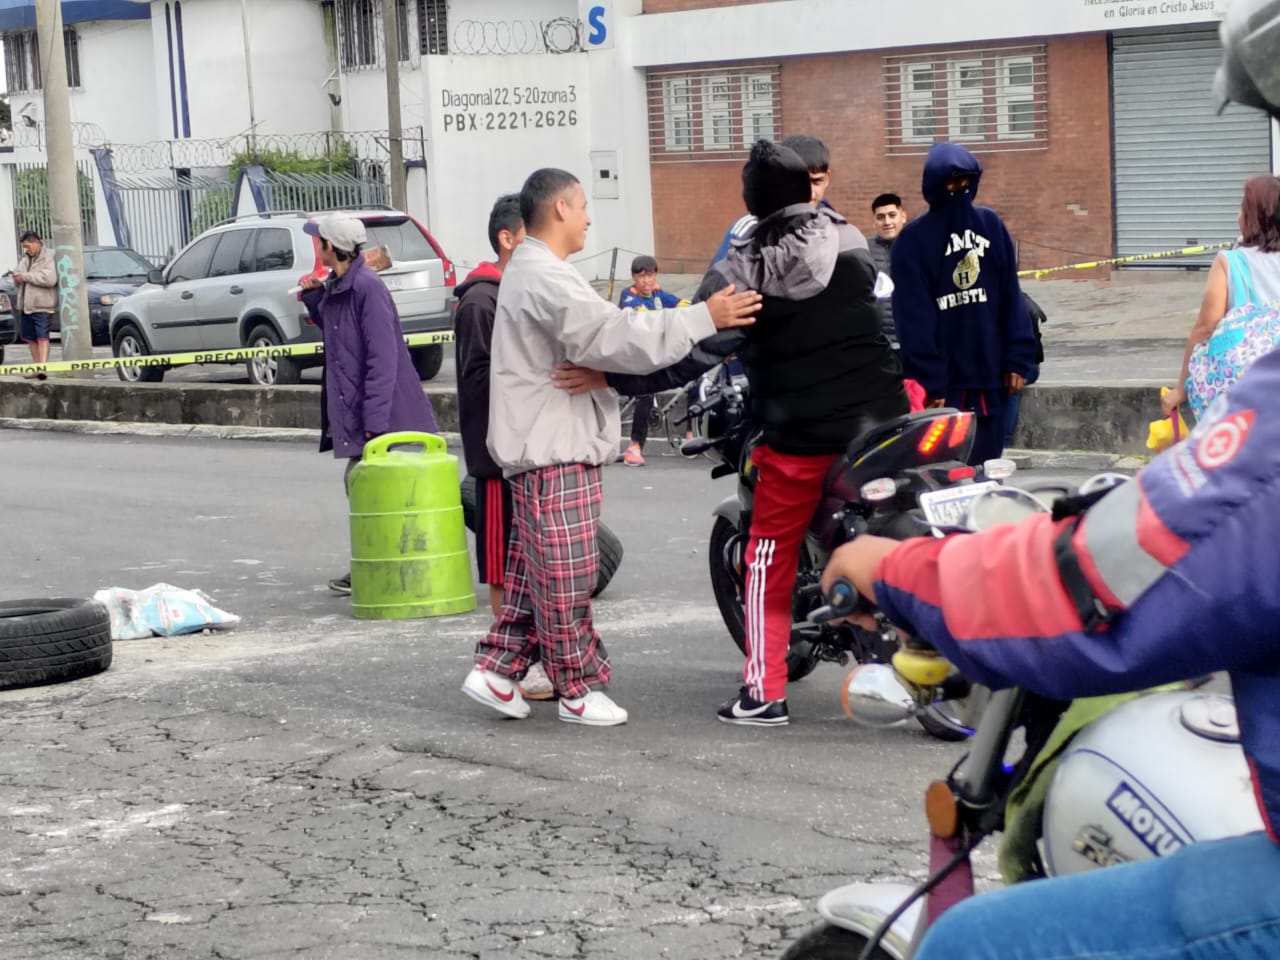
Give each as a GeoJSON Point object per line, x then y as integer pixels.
{"type": "Point", "coordinates": [161, 610]}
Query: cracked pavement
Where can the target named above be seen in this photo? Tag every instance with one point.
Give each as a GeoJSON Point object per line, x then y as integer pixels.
{"type": "Point", "coordinates": [310, 785]}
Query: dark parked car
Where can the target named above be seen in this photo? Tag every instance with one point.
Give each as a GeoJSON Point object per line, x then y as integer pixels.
{"type": "Point", "coordinates": [112, 274]}
{"type": "Point", "coordinates": [8, 327]}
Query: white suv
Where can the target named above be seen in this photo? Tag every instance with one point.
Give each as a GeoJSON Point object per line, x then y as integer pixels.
{"type": "Point", "coordinates": [229, 288]}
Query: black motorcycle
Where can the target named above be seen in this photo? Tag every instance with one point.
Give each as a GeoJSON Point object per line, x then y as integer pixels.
{"type": "Point", "coordinates": [903, 478]}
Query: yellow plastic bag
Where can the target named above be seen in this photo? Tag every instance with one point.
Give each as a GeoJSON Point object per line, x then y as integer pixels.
{"type": "Point", "coordinates": [1164, 433]}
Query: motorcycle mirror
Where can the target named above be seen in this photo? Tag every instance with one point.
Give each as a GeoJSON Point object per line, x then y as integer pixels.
{"type": "Point", "coordinates": [1002, 505]}
{"type": "Point", "coordinates": [874, 697]}
{"type": "Point", "coordinates": [999, 469]}
{"type": "Point", "coordinates": [1103, 481]}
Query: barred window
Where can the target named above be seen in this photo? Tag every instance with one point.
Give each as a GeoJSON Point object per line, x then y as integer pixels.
{"type": "Point", "coordinates": [22, 60]}
{"type": "Point", "coordinates": [988, 99]}
{"type": "Point", "coordinates": [402, 30]}
{"type": "Point", "coordinates": [433, 27]}
{"type": "Point", "coordinates": [360, 36]}
{"type": "Point", "coordinates": [712, 113]}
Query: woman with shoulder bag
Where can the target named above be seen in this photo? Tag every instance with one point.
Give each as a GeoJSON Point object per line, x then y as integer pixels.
{"type": "Point", "coordinates": [1246, 277]}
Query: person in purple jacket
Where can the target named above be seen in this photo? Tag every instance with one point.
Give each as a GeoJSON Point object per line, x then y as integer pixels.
{"type": "Point", "coordinates": [370, 385]}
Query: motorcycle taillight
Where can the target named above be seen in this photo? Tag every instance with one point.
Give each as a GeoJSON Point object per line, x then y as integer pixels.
{"type": "Point", "coordinates": [929, 442]}
{"type": "Point", "coordinates": [960, 425]}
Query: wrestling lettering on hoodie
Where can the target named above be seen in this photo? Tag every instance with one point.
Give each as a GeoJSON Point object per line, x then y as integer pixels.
{"type": "Point", "coordinates": [967, 271]}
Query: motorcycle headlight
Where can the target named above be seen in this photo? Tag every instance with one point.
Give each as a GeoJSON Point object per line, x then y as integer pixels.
{"type": "Point", "coordinates": [108, 299]}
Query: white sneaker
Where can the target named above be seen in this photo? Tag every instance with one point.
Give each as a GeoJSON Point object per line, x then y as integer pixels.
{"type": "Point", "coordinates": [536, 685]}
{"type": "Point", "coordinates": [595, 710]}
{"type": "Point", "coordinates": [495, 690]}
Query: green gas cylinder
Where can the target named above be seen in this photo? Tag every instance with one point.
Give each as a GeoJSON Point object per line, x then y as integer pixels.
{"type": "Point", "coordinates": [408, 539]}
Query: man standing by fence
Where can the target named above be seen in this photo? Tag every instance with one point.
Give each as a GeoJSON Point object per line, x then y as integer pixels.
{"type": "Point", "coordinates": [36, 279]}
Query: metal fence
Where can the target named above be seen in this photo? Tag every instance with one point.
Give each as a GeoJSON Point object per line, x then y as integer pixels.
{"type": "Point", "coordinates": [31, 206]}
{"type": "Point", "coordinates": [162, 214]}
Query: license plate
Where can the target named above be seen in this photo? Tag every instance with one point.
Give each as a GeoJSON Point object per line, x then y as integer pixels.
{"type": "Point", "coordinates": [950, 507]}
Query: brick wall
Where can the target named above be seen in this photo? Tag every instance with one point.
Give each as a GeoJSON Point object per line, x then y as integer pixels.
{"type": "Point", "coordinates": [1056, 202]}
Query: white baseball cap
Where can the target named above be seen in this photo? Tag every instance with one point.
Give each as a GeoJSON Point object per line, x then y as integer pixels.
{"type": "Point", "coordinates": [343, 231]}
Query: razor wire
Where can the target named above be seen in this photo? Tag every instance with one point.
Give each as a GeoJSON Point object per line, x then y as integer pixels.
{"type": "Point", "coordinates": [513, 37]}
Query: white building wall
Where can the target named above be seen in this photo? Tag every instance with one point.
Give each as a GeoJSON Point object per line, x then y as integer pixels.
{"type": "Point", "coordinates": [116, 80]}
{"type": "Point", "coordinates": [787, 28]}
{"type": "Point", "coordinates": [116, 83]}
{"type": "Point", "coordinates": [288, 58]}
{"type": "Point", "coordinates": [564, 108]}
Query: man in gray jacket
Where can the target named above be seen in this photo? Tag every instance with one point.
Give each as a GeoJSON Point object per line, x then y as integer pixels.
{"type": "Point", "coordinates": [551, 445]}
{"type": "Point", "coordinates": [36, 280]}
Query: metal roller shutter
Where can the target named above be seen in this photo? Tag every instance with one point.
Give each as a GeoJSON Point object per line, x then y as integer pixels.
{"type": "Point", "coordinates": [1179, 167]}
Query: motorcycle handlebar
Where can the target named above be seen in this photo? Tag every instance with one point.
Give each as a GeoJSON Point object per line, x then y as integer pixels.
{"type": "Point", "coordinates": [843, 600]}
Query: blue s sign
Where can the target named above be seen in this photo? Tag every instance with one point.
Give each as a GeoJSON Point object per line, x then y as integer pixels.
{"type": "Point", "coordinates": [597, 19]}
{"type": "Point", "coordinates": [597, 31]}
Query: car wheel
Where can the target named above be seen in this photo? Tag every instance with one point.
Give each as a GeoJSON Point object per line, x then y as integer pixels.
{"type": "Point", "coordinates": [427, 360]}
{"type": "Point", "coordinates": [265, 371]}
{"type": "Point", "coordinates": [49, 641]}
{"type": "Point", "coordinates": [128, 342]}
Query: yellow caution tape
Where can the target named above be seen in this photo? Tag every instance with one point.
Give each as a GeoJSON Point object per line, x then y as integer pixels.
{"type": "Point", "coordinates": [168, 360]}
{"type": "Point", "coordinates": [1138, 258]}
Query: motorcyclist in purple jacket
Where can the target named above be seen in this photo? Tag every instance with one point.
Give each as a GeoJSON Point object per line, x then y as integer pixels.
{"type": "Point", "coordinates": [1168, 576]}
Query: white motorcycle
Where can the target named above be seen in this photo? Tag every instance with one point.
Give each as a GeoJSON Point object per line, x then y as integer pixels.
{"type": "Point", "coordinates": [1141, 780]}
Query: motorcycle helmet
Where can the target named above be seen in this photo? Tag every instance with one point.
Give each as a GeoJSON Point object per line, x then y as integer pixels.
{"type": "Point", "coordinates": [1250, 70]}
{"type": "Point", "coordinates": [1145, 779]}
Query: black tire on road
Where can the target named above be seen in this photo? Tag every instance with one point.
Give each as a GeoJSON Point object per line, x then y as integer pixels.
{"type": "Point", "coordinates": [50, 641]}
{"type": "Point", "coordinates": [128, 342]}
{"type": "Point", "coordinates": [427, 360]}
{"type": "Point", "coordinates": [800, 660]}
{"type": "Point", "coordinates": [607, 541]}
{"type": "Point", "coordinates": [610, 549]}
{"type": "Point", "coordinates": [270, 373]}
{"type": "Point", "coordinates": [831, 943]}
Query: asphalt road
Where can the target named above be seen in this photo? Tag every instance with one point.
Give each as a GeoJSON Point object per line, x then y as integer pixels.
{"type": "Point", "coordinates": [309, 785]}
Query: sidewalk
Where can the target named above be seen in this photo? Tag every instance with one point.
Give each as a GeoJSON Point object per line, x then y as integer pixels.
{"type": "Point", "coordinates": [1129, 330]}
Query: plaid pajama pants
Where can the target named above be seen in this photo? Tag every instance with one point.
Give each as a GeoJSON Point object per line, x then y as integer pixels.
{"type": "Point", "coordinates": [551, 570]}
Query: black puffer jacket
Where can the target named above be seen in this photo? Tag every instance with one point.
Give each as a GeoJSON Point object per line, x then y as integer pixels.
{"type": "Point", "coordinates": [820, 368]}
{"type": "Point", "coordinates": [473, 342]}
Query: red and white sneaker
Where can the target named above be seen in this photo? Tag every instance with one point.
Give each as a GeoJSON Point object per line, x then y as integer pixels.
{"type": "Point", "coordinates": [496, 691]}
{"type": "Point", "coordinates": [633, 457]}
{"type": "Point", "coordinates": [595, 710]}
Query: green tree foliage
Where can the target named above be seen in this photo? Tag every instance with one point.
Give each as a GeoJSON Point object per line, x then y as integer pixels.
{"type": "Point", "coordinates": [31, 203]}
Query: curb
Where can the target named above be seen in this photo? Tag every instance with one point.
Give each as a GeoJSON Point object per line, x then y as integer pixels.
{"type": "Point", "coordinates": [1086, 460]}
{"type": "Point", "coordinates": [195, 431]}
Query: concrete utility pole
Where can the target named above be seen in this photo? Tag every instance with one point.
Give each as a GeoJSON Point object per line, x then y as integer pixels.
{"type": "Point", "coordinates": [391, 34]}
{"type": "Point", "coordinates": [64, 194]}
{"type": "Point", "coordinates": [248, 76]}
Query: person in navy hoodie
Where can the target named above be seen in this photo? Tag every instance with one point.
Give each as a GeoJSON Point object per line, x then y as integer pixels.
{"type": "Point", "coordinates": [964, 330]}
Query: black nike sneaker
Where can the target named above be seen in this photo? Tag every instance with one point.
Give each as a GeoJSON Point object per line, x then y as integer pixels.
{"type": "Point", "coordinates": [746, 710]}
